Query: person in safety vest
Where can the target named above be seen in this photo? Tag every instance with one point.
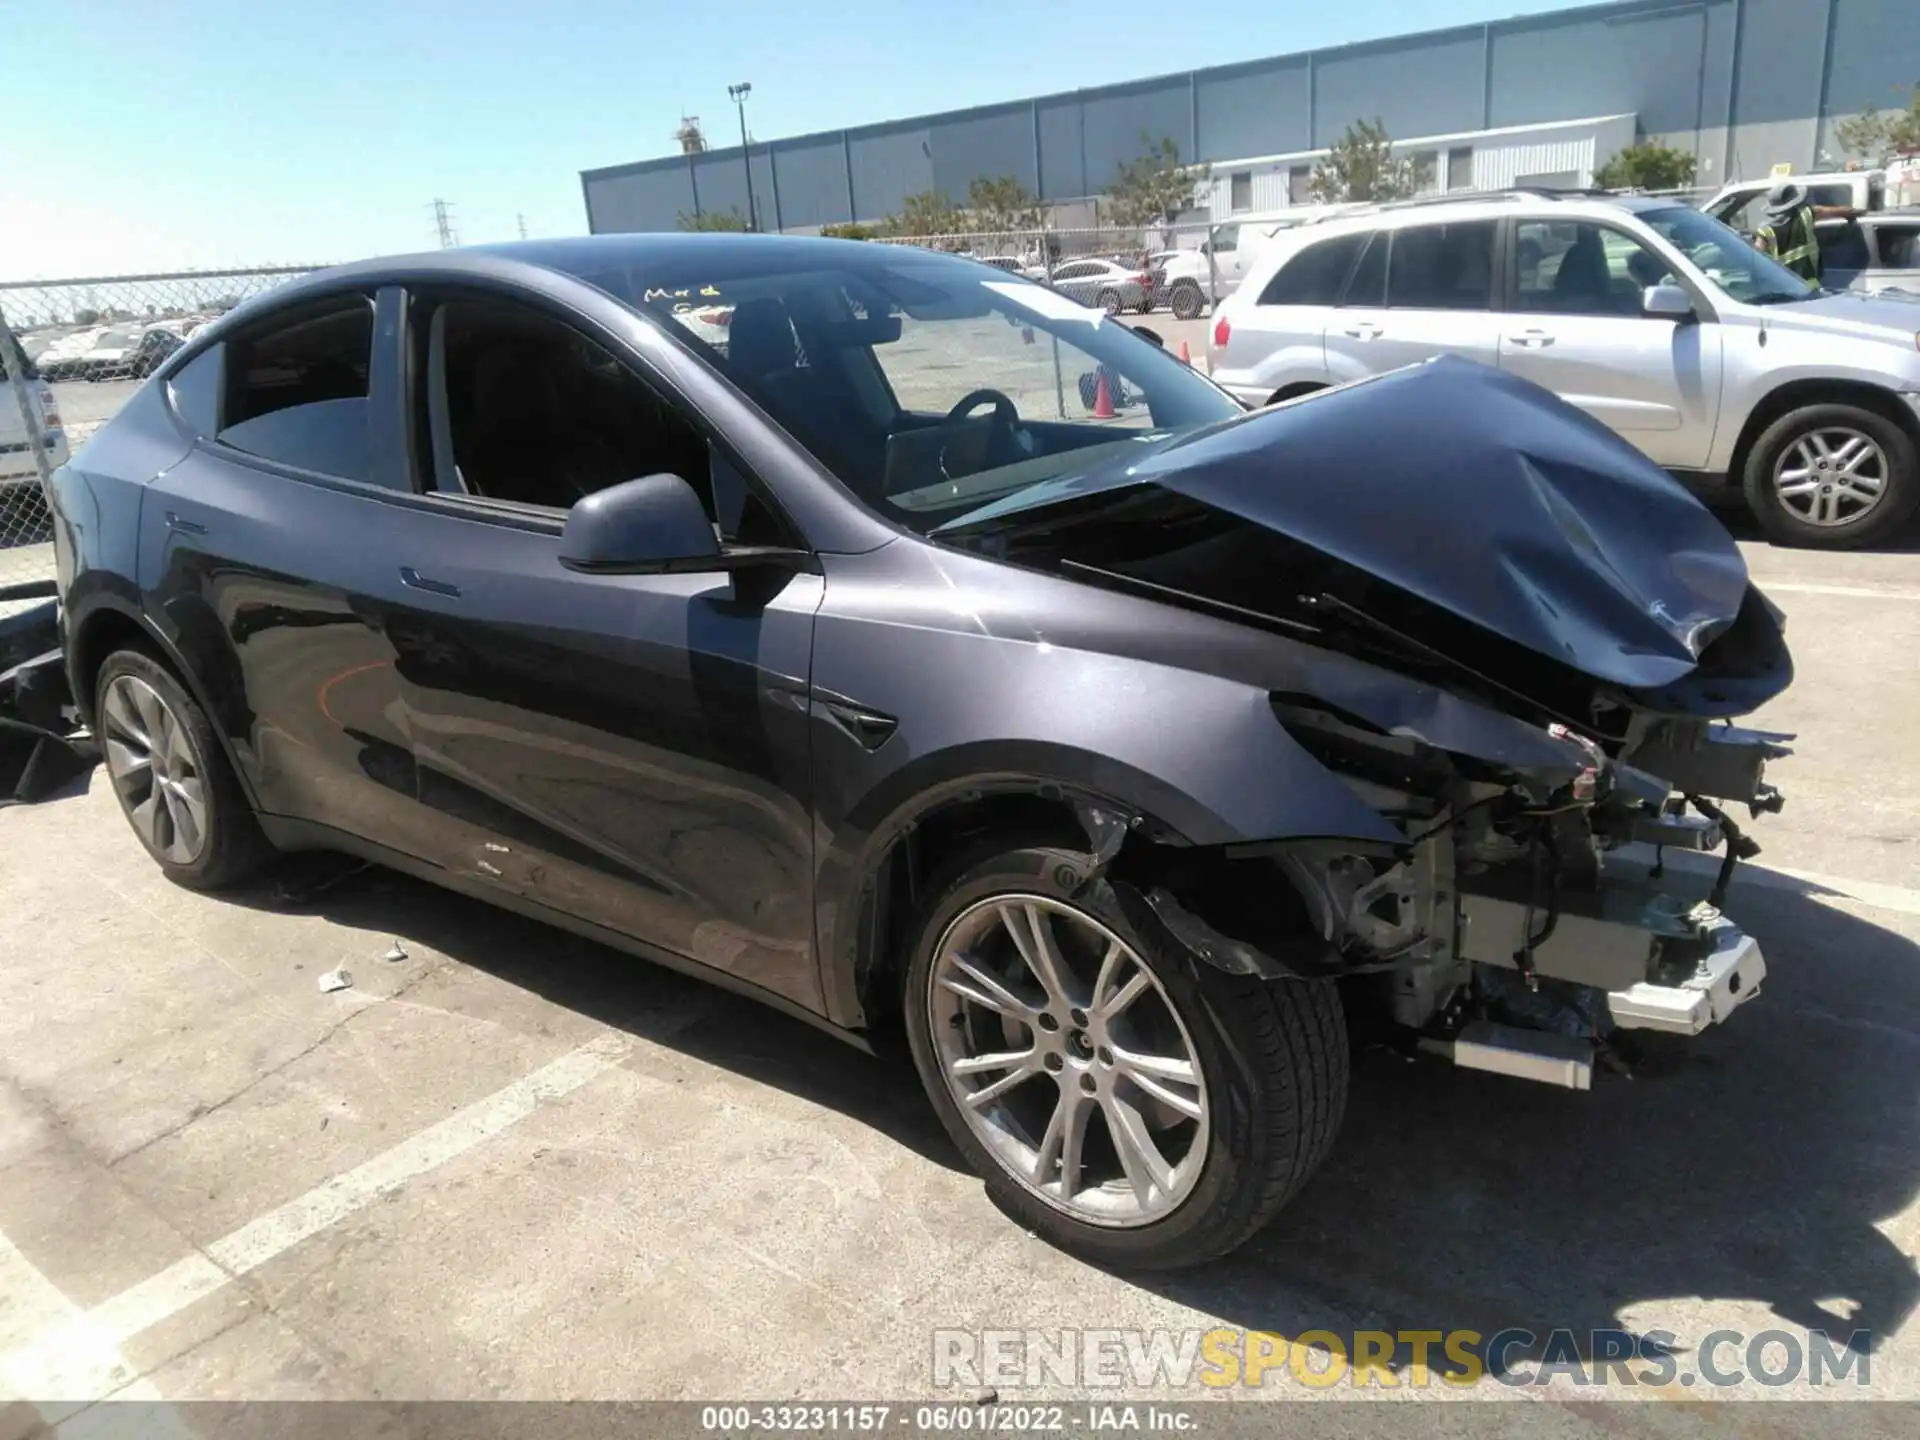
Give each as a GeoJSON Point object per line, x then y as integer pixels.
{"type": "Point", "coordinates": [1789, 235]}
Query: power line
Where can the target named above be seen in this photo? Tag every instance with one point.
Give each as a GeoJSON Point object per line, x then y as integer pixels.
{"type": "Point", "coordinates": [522, 221]}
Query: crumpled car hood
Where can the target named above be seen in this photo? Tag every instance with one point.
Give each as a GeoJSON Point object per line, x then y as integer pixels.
{"type": "Point", "coordinates": [1476, 492]}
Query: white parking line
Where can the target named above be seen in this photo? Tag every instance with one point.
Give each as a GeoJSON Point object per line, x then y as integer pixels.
{"type": "Point", "coordinates": [1858, 592]}
{"type": "Point", "coordinates": [65, 1354]}
{"type": "Point", "coordinates": [86, 1363]}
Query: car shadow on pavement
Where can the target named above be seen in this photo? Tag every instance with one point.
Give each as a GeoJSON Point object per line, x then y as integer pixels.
{"type": "Point", "coordinates": [1750, 1164]}
{"type": "Point", "coordinates": [732, 1032]}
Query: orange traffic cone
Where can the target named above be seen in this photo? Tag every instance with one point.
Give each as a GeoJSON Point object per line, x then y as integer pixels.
{"type": "Point", "coordinates": [1102, 398]}
{"type": "Point", "coordinates": [1186, 355]}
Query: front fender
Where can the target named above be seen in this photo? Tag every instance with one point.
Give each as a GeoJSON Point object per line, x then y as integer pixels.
{"type": "Point", "coordinates": [1203, 760]}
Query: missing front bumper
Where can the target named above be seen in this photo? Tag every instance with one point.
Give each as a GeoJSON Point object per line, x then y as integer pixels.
{"type": "Point", "coordinates": [1724, 980]}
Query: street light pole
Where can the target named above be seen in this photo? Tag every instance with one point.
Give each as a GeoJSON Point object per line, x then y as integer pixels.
{"type": "Point", "coordinates": [738, 94]}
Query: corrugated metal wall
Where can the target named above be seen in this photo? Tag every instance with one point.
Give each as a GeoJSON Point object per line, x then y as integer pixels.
{"type": "Point", "coordinates": [1744, 83]}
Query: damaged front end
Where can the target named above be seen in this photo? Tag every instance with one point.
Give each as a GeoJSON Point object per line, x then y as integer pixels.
{"type": "Point", "coordinates": [1528, 670]}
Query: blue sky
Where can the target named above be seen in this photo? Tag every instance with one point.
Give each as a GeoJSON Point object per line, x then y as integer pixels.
{"type": "Point", "coordinates": [199, 133]}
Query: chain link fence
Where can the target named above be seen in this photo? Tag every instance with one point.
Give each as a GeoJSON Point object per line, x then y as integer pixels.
{"type": "Point", "coordinates": [1181, 269]}
{"type": "Point", "coordinates": [71, 353]}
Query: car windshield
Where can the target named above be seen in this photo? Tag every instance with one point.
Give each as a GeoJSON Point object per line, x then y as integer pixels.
{"type": "Point", "coordinates": [928, 385]}
{"type": "Point", "coordinates": [1726, 258]}
{"type": "Point", "coordinates": [118, 338]}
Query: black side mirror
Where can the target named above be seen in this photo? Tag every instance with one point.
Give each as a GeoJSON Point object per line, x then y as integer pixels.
{"type": "Point", "coordinates": [1154, 335]}
{"type": "Point", "coordinates": [656, 525]}
{"type": "Point", "coordinates": [650, 526]}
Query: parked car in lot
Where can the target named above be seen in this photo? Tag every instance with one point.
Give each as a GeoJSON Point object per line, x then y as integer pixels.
{"type": "Point", "coordinates": [1742, 206]}
{"type": "Point", "coordinates": [122, 352]}
{"type": "Point", "coordinates": [1655, 319]}
{"type": "Point", "coordinates": [1104, 284]}
{"type": "Point", "coordinates": [17, 467]}
{"type": "Point", "coordinates": [1187, 281]}
{"type": "Point", "coordinates": [61, 358]}
{"type": "Point", "coordinates": [1877, 254]}
{"type": "Point", "coordinates": [846, 655]}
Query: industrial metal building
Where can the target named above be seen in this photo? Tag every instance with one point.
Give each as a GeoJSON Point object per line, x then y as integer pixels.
{"type": "Point", "coordinates": [1743, 84]}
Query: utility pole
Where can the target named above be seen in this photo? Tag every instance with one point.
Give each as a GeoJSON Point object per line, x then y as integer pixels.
{"type": "Point", "coordinates": [443, 223]}
{"type": "Point", "coordinates": [522, 221]}
{"type": "Point", "coordinates": [738, 94]}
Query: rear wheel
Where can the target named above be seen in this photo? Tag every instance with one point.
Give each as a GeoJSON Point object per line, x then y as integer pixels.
{"type": "Point", "coordinates": [1126, 1102]}
{"type": "Point", "coordinates": [1833, 477]}
{"type": "Point", "coordinates": [1187, 301]}
{"type": "Point", "coordinates": [171, 777]}
{"type": "Point", "coordinates": [1109, 301]}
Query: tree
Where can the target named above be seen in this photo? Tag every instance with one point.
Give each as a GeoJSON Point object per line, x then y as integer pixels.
{"type": "Point", "coordinates": [1362, 166]}
{"type": "Point", "coordinates": [931, 212]}
{"type": "Point", "coordinates": [1646, 166]}
{"type": "Point", "coordinates": [1002, 203]}
{"type": "Point", "coordinates": [709, 220]}
{"type": "Point", "coordinates": [1155, 185]}
{"type": "Point", "coordinates": [852, 230]}
{"type": "Point", "coordinates": [1877, 136]}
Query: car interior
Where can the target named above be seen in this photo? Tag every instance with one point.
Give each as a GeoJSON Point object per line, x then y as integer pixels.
{"type": "Point", "coordinates": [811, 355]}
{"type": "Point", "coordinates": [526, 409]}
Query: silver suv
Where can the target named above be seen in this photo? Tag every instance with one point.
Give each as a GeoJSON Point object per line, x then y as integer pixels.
{"type": "Point", "coordinates": [1655, 319]}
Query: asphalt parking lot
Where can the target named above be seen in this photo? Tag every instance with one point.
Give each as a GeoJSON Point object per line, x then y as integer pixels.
{"type": "Point", "coordinates": [509, 1164]}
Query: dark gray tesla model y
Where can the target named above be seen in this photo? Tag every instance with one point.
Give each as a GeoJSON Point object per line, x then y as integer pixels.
{"type": "Point", "coordinates": [891, 639]}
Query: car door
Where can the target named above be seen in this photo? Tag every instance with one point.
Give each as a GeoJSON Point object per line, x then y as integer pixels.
{"type": "Point", "coordinates": [1078, 280]}
{"type": "Point", "coordinates": [1574, 325]}
{"type": "Point", "coordinates": [270, 556]}
{"type": "Point", "coordinates": [1280, 340]}
{"type": "Point", "coordinates": [1744, 210]}
{"type": "Point", "coordinates": [1418, 291]}
{"type": "Point", "coordinates": [628, 750]}
{"type": "Point", "coordinates": [1229, 261]}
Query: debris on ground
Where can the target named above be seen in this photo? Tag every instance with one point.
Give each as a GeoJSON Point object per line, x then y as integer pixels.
{"type": "Point", "coordinates": [40, 746]}
{"type": "Point", "coordinates": [336, 979]}
{"type": "Point", "coordinates": [396, 951]}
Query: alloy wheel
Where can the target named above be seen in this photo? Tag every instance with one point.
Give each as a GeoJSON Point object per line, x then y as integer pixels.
{"type": "Point", "coordinates": [155, 769]}
{"type": "Point", "coordinates": [1068, 1060]}
{"type": "Point", "coordinates": [1831, 476]}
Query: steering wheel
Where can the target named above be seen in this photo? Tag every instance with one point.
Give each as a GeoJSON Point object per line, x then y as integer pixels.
{"type": "Point", "coordinates": [1003, 408]}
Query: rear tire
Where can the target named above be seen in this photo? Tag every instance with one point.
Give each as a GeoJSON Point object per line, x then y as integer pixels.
{"type": "Point", "coordinates": [1109, 301]}
{"type": "Point", "coordinates": [1187, 301]}
{"type": "Point", "coordinates": [1833, 477]}
{"type": "Point", "coordinates": [171, 776]}
{"type": "Point", "coordinates": [1224, 1149]}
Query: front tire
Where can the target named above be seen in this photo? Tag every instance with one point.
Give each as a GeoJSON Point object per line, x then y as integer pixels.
{"type": "Point", "coordinates": [1132, 1105]}
{"type": "Point", "coordinates": [171, 777]}
{"type": "Point", "coordinates": [1187, 301]}
{"type": "Point", "coordinates": [1833, 477]}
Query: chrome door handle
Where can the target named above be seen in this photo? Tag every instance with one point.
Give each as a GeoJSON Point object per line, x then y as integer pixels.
{"type": "Point", "coordinates": [180, 525]}
{"type": "Point", "coordinates": [413, 579]}
{"type": "Point", "coordinates": [1364, 331]}
{"type": "Point", "coordinates": [1531, 339]}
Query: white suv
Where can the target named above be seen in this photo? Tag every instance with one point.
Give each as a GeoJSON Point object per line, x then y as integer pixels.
{"type": "Point", "coordinates": [1655, 319]}
{"type": "Point", "coordinates": [18, 470]}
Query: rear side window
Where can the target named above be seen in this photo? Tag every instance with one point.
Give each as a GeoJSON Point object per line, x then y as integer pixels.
{"type": "Point", "coordinates": [1899, 246]}
{"type": "Point", "coordinates": [1369, 283]}
{"type": "Point", "coordinates": [1315, 275]}
{"type": "Point", "coordinates": [1442, 267]}
{"type": "Point", "coordinates": [296, 392]}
